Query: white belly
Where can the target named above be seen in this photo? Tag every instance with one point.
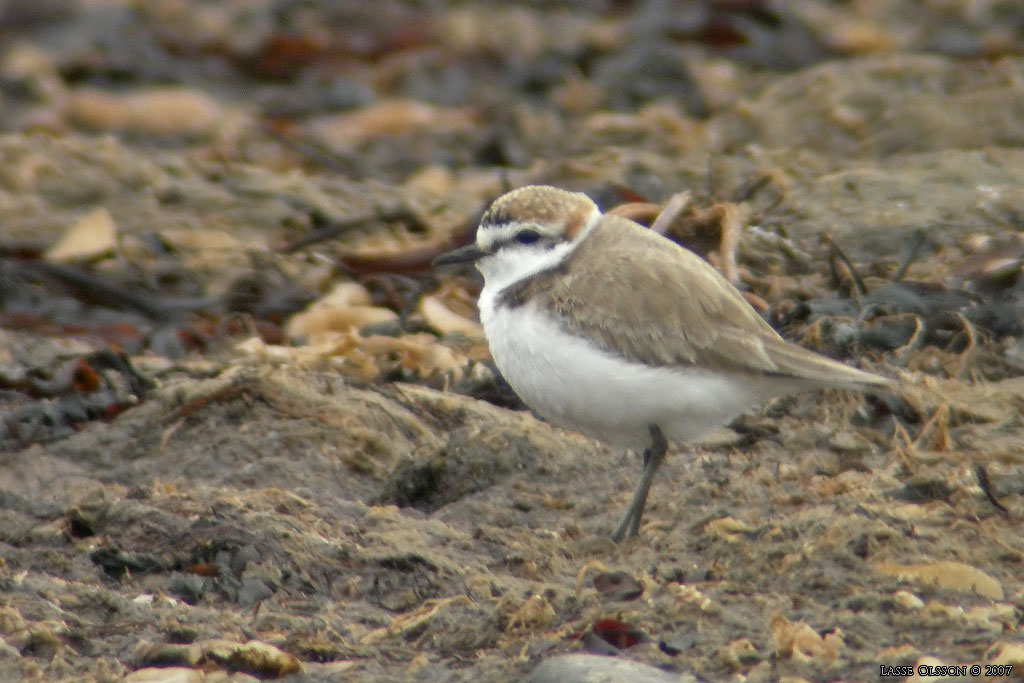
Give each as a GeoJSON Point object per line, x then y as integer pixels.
{"type": "Point", "coordinates": [572, 383]}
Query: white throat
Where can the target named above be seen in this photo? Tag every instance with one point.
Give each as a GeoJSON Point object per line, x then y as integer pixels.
{"type": "Point", "coordinates": [512, 264]}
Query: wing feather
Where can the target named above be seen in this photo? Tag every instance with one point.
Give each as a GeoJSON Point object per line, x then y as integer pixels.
{"type": "Point", "coordinates": [699, 318]}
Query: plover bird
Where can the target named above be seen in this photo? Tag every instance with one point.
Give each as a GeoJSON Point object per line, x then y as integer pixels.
{"type": "Point", "coordinates": [606, 328]}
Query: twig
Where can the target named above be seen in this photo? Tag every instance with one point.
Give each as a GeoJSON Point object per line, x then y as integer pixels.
{"type": "Point", "coordinates": [910, 252]}
{"type": "Point", "coordinates": [338, 227]}
{"type": "Point", "coordinates": [836, 253]}
{"type": "Point", "coordinates": [986, 487]}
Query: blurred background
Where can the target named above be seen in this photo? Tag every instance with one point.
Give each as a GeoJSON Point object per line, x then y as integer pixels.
{"type": "Point", "coordinates": [222, 214]}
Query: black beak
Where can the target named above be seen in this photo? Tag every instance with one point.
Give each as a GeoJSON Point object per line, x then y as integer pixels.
{"type": "Point", "coordinates": [466, 254]}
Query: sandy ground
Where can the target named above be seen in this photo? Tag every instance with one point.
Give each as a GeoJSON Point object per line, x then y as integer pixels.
{"type": "Point", "coordinates": [355, 496]}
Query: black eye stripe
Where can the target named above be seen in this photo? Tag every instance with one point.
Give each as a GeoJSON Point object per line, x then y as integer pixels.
{"type": "Point", "coordinates": [527, 236]}
{"type": "Point", "coordinates": [523, 237]}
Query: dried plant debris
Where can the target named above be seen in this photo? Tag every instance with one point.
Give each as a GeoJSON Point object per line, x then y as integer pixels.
{"type": "Point", "coordinates": [165, 310]}
{"type": "Point", "coordinates": [98, 385]}
{"type": "Point", "coordinates": [248, 432]}
{"type": "Point", "coordinates": [970, 324]}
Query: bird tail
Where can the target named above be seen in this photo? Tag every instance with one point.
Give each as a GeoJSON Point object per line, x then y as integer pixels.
{"type": "Point", "coordinates": [802, 365]}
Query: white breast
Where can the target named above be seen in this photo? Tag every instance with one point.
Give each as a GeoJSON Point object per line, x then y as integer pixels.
{"type": "Point", "coordinates": [572, 383]}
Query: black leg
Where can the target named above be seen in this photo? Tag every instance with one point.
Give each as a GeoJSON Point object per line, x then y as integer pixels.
{"type": "Point", "coordinates": [629, 525]}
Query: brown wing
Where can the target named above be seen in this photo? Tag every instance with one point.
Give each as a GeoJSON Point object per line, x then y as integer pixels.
{"type": "Point", "coordinates": [642, 297]}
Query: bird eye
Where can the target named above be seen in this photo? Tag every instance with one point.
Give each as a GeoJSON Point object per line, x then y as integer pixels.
{"type": "Point", "coordinates": [527, 236]}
